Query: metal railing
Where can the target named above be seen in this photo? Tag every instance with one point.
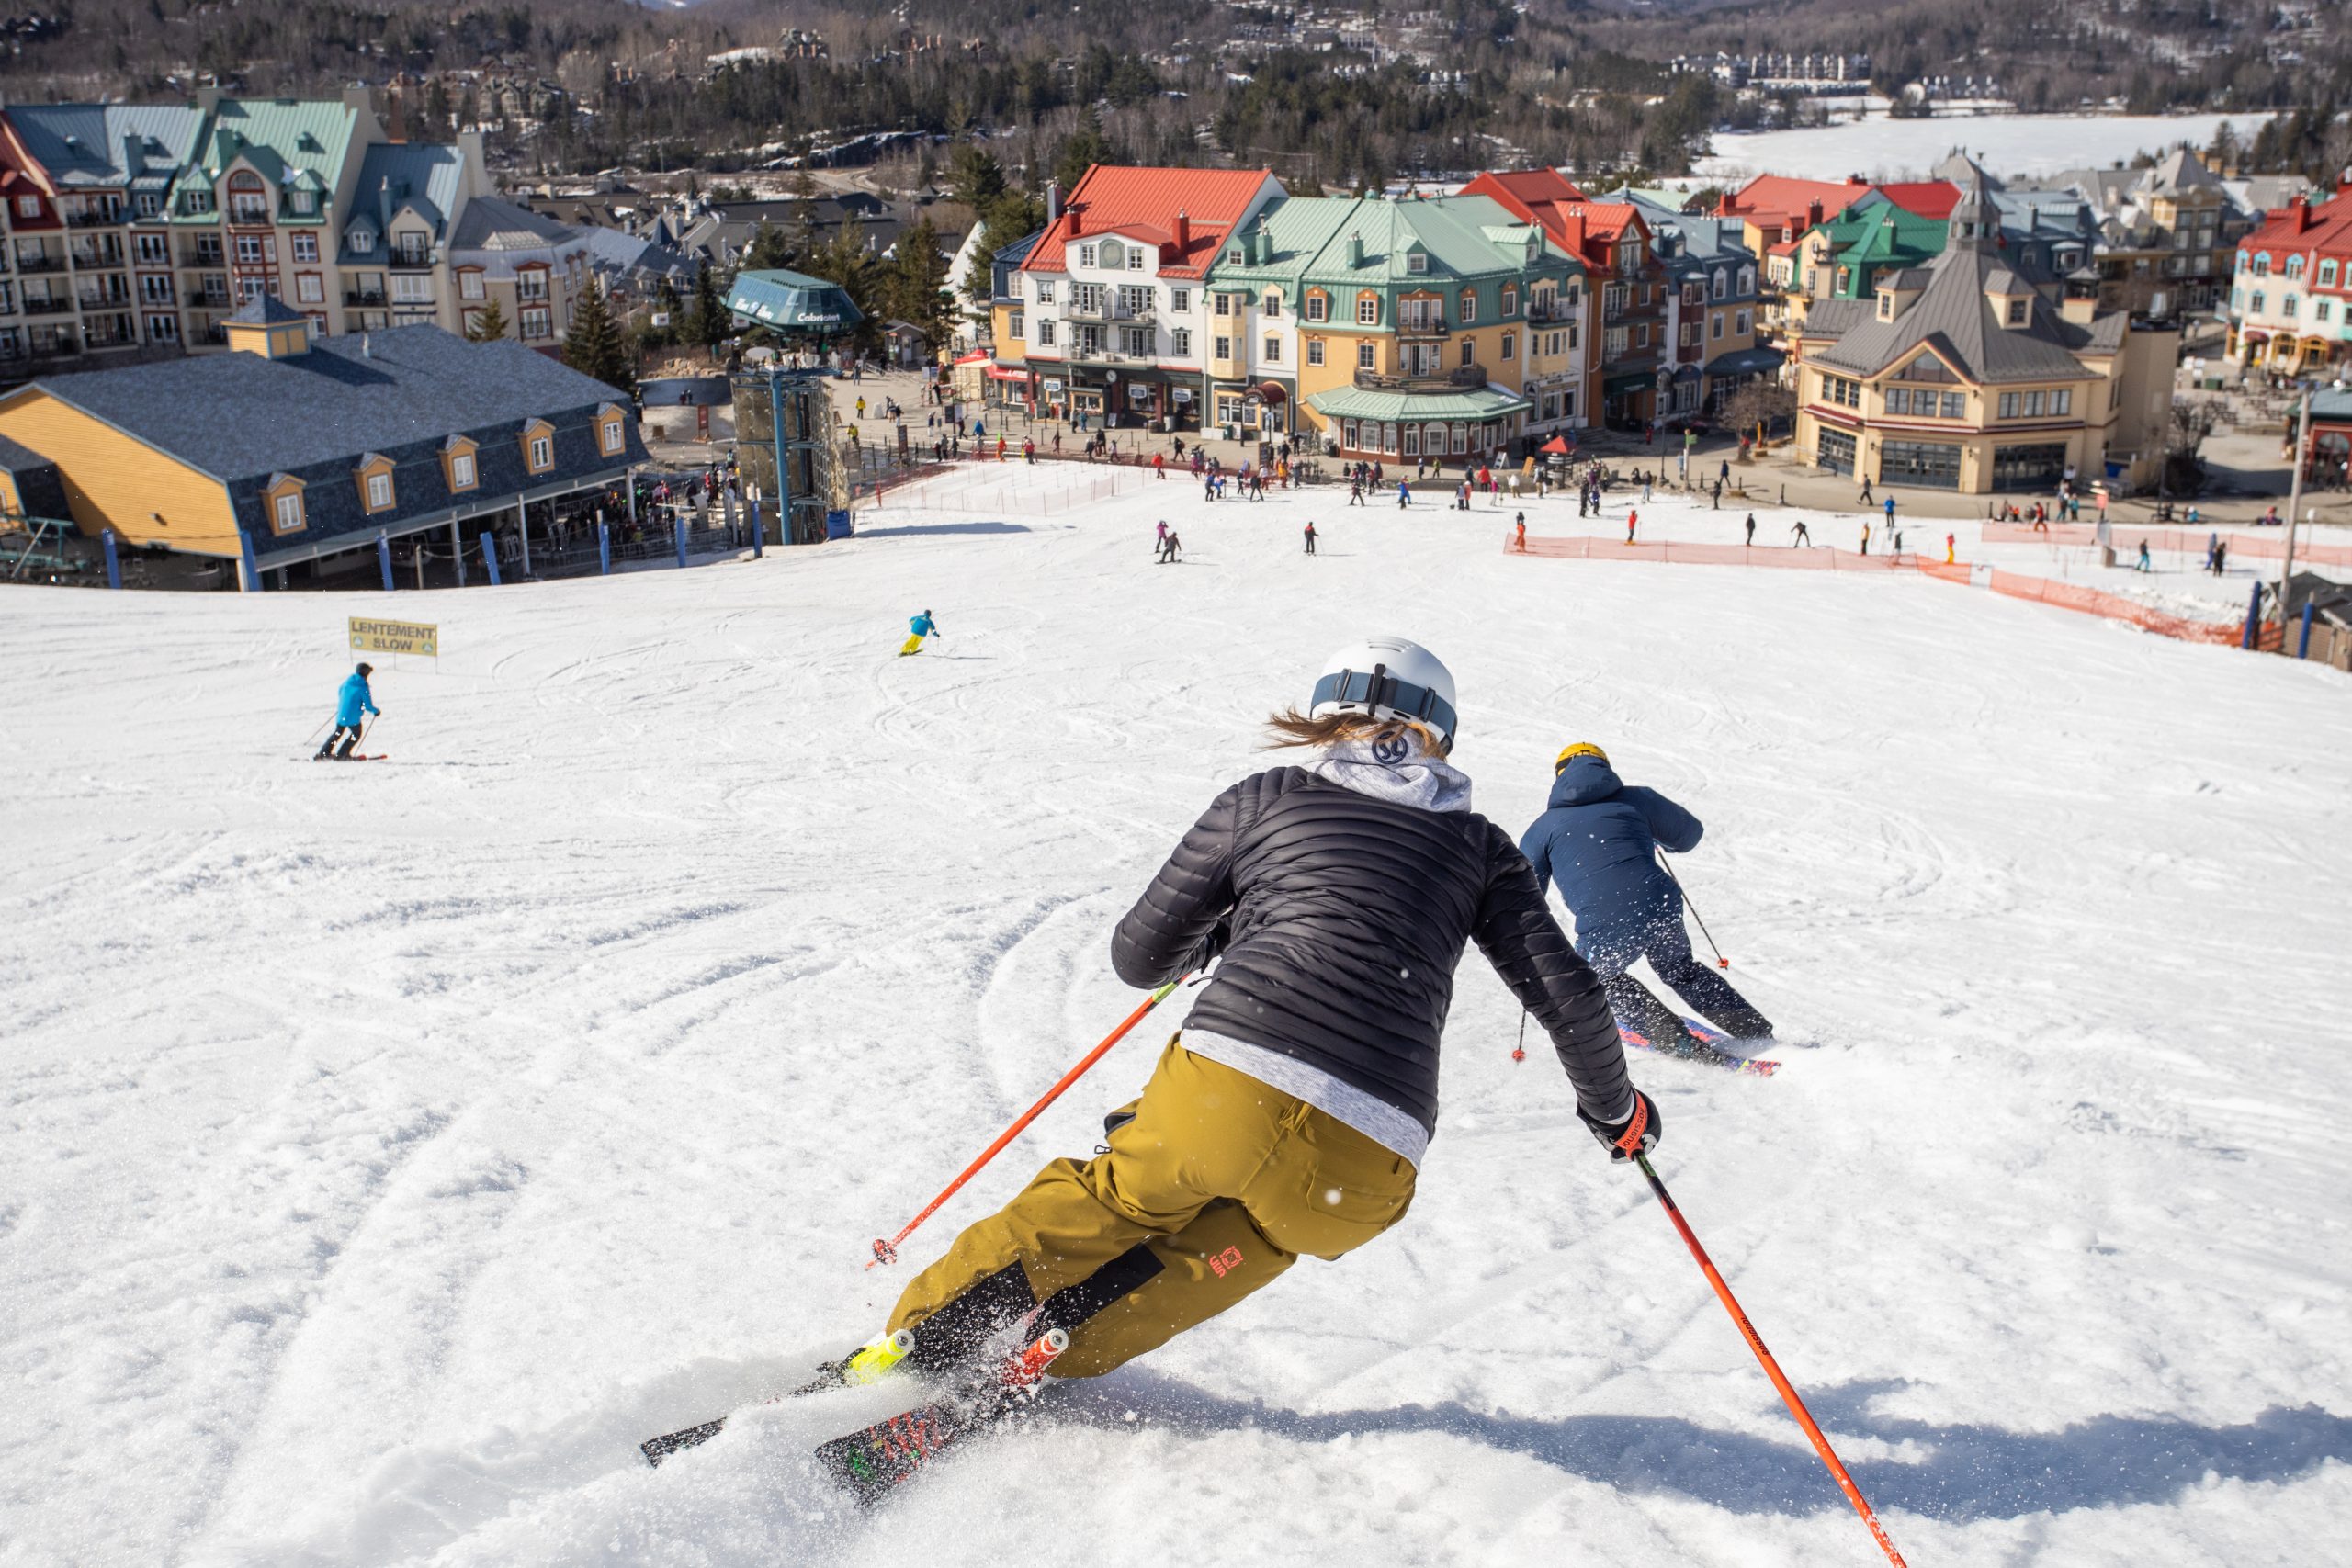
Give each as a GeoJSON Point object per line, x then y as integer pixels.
{"type": "Point", "coordinates": [1110, 311]}
{"type": "Point", "coordinates": [363, 296]}
{"type": "Point", "coordinates": [1424, 328]}
{"type": "Point", "coordinates": [1459, 376]}
{"type": "Point", "coordinates": [59, 347]}
{"type": "Point", "coordinates": [58, 307]}
{"type": "Point", "coordinates": [42, 261]}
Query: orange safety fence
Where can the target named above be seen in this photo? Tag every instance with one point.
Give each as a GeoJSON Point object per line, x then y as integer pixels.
{"type": "Point", "coordinates": [2015, 585]}
{"type": "Point", "coordinates": [2192, 541]}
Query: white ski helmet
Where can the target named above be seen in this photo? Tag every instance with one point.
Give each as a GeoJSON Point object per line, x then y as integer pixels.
{"type": "Point", "coordinates": [1388, 677]}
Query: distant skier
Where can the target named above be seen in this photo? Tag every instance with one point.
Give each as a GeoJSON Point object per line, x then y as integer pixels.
{"type": "Point", "coordinates": [1951, 545]}
{"type": "Point", "coordinates": [918, 628]}
{"type": "Point", "coordinates": [352, 701]}
{"type": "Point", "coordinates": [1751, 529]}
{"type": "Point", "coordinates": [1159, 545]}
{"type": "Point", "coordinates": [1290, 1114]}
{"type": "Point", "coordinates": [1168, 547]}
{"type": "Point", "coordinates": [1800, 535]}
{"type": "Point", "coordinates": [1520, 523]}
{"type": "Point", "coordinates": [1310, 538]}
{"type": "Point", "coordinates": [1866, 536]}
{"type": "Point", "coordinates": [2221, 557]}
{"type": "Point", "coordinates": [1597, 841]}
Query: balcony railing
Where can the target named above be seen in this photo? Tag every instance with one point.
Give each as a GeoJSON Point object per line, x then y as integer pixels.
{"type": "Point", "coordinates": [1424, 328]}
{"type": "Point", "coordinates": [1437, 381]}
{"type": "Point", "coordinates": [99, 219]}
{"type": "Point", "coordinates": [210, 298]}
{"type": "Point", "coordinates": [1109, 311]}
{"type": "Point", "coordinates": [363, 296]}
{"type": "Point", "coordinates": [58, 307]}
{"type": "Point", "coordinates": [203, 258]}
{"type": "Point", "coordinates": [1548, 315]}
{"type": "Point", "coordinates": [59, 347]}
{"type": "Point", "coordinates": [97, 260]}
{"type": "Point", "coordinates": [45, 262]}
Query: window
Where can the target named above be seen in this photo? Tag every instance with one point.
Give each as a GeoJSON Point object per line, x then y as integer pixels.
{"type": "Point", "coordinates": [1469, 307]}
{"type": "Point", "coordinates": [162, 329]}
{"type": "Point", "coordinates": [1315, 351]}
{"type": "Point", "coordinates": [1365, 358]}
{"type": "Point", "coordinates": [1274, 350]}
{"type": "Point", "coordinates": [2061, 400]}
{"type": "Point", "coordinates": [1221, 347]}
{"type": "Point", "coordinates": [306, 247]}
{"type": "Point", "coordinates": [363, 241]}
{"type": "Point", "coordinates": [29, 207]}
{"type": "Point", "coordinates": [2031, 405]}
{"type": "Point", "coordinates": [1180, 342]}
{"type": "Point", "coordinates": [610, 435]}
{"type": "Point", "coordinates": [1469, 353]}
{"type": "Point", "coordinates": [248, 290]}
{"type": "Point", "coordinates": [2286, 305]}
{"type": "Point", "coordinates": [1135, 342]}
{"type": "Point", "coordinates": [2294, 268]}
{"type": "Point", "coordinates": [1510, 345]}
{"type": "Point", "coordinates": [1715, 320]}
{"type": "Point", "coordinates": [302, 202]}
{"type": "Point", "coordinates": [1271, 303]}
{"type": "Point", "coordinates": [1367, 309]}
{"type": "Point", "coordinates": [1933, 465]}
{"type": "Point", "coordinates": [1046, 291]}
{"type": "Point", "coordinates": [285, 509]}
{"type": "Point", "coordinates": [2262, 263]}
{"type": "Point", "coordinates": [1722, 284]}
{"type": "Point", "coordinates": [1044, 334]}
{"type": "Point", "coordinates": [1318, 307]}
{"type": "Point", "coordinates": [2327, 273]}
{"type": "Point", "coordinates": [1347, 434]}
{"type": "Point", "coordinates": [538, 445]}
{"type": "Point", "coordinates": [1085, 255]}
{"type": "Point", "coordinates": [531, 283]}
{"type": "Point", "coordinates": [1613, 342]}
{"type": "Point", "coordinates": [537, 324]}
{"type": "Point", "coordinates": [1837, 452]}
{"type": "Point", "coordinates": [308, 289]}
{"type": "Point", "coordinates": [1013, 326]}
{"type": "Point", "coordinates": [1135, 258]}
{"type": "Point", "coordinates": [155, 289]}
{"type": "Point", "coordinates": [1510, 300]}
{"type": "Point", "coordinates": [1743, 322]}
{"type": "Point", "coordinates": [1233, 255]}
{"type": "Point", "coordinates": [2017, 312]}
{"type": "Point", "coordinates": [469, 286]}
{"type": "Point", "coordinates": [1748, 280]}
{"type": "Point", "coordinates": [379, 492]}
{"type": "Point", "coordinates": [253, 250]}
{"type": "Point", "coordinates": [153, 250]}
{"type": "Point", "coordinates": [461, 469]}
{"type": "Point", "coordinates": [2320, 310]}
{"type": "Point", "coordinates": [200, 201]}
{"type": "Point", "coordinates": [410, 290]}
{"type": "Point", "coordinates": [248, 206]}
{"type": "Point", "coordinates": [1180, 301]}
{"type": "Point", "coordinates": [2256, 302]}
{"type": "Point", "coordinates": [1417, 261]}
{"type": "Point", "coordinates": [1841, 391]}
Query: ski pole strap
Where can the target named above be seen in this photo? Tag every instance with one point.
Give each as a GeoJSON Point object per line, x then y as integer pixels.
{"type": "Point", "coordinates": [1630, 1140]}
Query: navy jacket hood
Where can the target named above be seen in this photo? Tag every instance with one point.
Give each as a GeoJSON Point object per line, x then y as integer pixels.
{"type": "Point", "coordinates": [1585, 779]}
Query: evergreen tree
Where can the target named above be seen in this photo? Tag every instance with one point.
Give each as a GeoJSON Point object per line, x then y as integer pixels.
{"type": "Point", "coordinates": [979, 178]}
{"type": "Point", "coordinates": [489, 323]}
{"type": "Point", "coordinates": [805, 240]}
{"type": "Point", "coordinates": [768, 249]}
{"type": "Point", "coordinates": [918, 283]}
{"type": "Point", "coordinates": [595, 346]}
{"type": "Point", "coordinates": [707, 320]}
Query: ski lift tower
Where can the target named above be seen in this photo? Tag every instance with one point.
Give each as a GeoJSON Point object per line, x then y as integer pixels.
{"type": "Point", "coordinates": [784, 421]}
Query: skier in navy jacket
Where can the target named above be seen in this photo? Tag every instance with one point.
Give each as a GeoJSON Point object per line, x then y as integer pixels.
{"type": "Point", "coordinates": [1597, 842]}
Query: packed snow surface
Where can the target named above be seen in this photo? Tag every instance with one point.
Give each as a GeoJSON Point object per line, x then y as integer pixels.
{"type": "Point", "coordinates": [2021, 146]}
{"type": "Point", "coordinates": [386, 1149]}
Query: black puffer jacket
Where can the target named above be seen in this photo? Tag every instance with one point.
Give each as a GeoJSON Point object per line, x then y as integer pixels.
{"type": "Point", "coordinates": [1346, 917]}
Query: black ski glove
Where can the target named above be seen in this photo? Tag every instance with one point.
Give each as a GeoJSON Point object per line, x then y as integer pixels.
{"type": "Point", "coordinates": [1637, 1134]}
{"type": "Point", "coordinates": [1220, 937]}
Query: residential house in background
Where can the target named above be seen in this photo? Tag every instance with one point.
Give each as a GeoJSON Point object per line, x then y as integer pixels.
{"type": "Point", "coordinates": [2290, 297]}
{"type": "Point", "coordinates": [1962, 375]}
{"type": "Point", "coordinates": [532, 266]}
{"type": "Point", "coordinates": [2165, 235]}
{"type": "Point", "coordinates": [393, 249]}
{"type": "Point", "coordinates": [1005, 379]}
{"type": "Point", "coordinates": [1714, 298]}
{"type": "Point", "coordinates": [1112, 298]}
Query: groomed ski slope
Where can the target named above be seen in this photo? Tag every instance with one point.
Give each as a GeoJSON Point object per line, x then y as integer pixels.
{"type": "Point", "coordinates": [386, 1150]}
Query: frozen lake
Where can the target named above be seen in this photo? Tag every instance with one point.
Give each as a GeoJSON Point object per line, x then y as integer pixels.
{"type": "Point", "coordinates": [2009, 145]}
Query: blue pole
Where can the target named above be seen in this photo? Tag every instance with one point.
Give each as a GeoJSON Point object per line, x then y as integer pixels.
{"type": "Point", "coordinates": [678, 528]}
{"type": "Point", "coordinates": [384, 559]}
{"type": "Point", "coordinates": [2252, 619]}
{"type": "Point", "coordinates": [2303, 648]}
{"type": "Point", "coordinates": [490, 557]}
{"type": "Point", "coordinates": [114, 578]}
{"type": "Point", "coordinates": [253, 572]}
{"type": "Point", "coordinates": [604, 548]}
{"type": "Point", "coordinates": [758, 542]}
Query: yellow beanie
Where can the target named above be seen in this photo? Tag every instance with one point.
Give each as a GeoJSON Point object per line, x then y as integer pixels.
{"type": "Point", "coordinates": [1582, 748]}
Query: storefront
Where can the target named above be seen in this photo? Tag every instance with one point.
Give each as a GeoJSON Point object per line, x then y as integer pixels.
{"type": "Point", "coordinates": [1930, 465]}
{"type": "Point", "coordinates": [1010, 386]}
{"type": "Point", "coordinates": [1436, 425]}
{"type": "Point", "coordinates": [2040, 466]}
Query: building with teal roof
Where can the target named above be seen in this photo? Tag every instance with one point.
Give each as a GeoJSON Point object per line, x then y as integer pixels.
{"type": "Point", "coordinates": [1392, 328]}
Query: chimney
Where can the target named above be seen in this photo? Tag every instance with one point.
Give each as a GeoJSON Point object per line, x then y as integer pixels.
{"type": "Point", "coordinates": [1053, 199]}
{"type": "Point", "coordinates": [1813, 215]}
{"type": "Point", "coordinates": [1077, 222]}
{"type": "Point", "coordinates": [1356, 250]}
{"type": "Point", "coordinates": [1183, 232]}
{"type": "Point", "coordinates": [2302, 205]}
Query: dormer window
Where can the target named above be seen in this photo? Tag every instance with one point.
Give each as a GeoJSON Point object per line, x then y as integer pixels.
{"type": "Point", "coordinates": [1233, 255]}
{"type": "Point", "coordinates": [1886, 304]}
{"type": "Point", "coordinates": [2017, 312]}
{"type": "Point", "coordinates": [1417, 261]}
{"type": "Point", "coordinates": [375, 477]}
{"type": "Point", "coordinates": [538, 446]}
{"type": "Point", "coordinates": [283, 496]}
{"type": "Point", "coordinates": [610, 435]}
{"type": "Point", "coordinates": [363, 241]}
{"type": "Point", "coordinates": [302, 202]}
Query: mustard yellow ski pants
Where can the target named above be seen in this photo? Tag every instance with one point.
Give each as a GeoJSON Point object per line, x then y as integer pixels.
{"type": "Point", "coordinates": [1217, 1184]}
{"type": "Point", "coordinates": [913, 645]}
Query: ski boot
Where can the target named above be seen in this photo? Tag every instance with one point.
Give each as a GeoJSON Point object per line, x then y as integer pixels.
{"type": "Point", "coordinates": [885, 1455]}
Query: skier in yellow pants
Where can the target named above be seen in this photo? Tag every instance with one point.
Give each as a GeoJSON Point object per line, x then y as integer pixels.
{"type": "Point", "coordinates": [919, 627]}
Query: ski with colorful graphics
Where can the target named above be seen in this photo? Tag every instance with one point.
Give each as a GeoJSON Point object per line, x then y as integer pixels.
{"type": "Point", "coordinates": [871, 1463]}
{"type": "Point", "coordinates": [865, 1366]}
{"type": "Point", "coordinates": [358, 757]}
{"type": "Point", "coordinates": [1702, 1045]}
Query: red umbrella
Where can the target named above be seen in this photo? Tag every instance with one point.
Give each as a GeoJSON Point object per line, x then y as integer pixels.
{"type": "Point", "coordinates": [1558, 444]}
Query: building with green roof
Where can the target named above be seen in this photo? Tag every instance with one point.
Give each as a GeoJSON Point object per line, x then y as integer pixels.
{"type": "Point", "coordinates": [1394, 328]}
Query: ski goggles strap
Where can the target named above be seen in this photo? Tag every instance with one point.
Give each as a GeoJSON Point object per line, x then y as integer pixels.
{"type": "Point", "coordinates": [1381, 689]}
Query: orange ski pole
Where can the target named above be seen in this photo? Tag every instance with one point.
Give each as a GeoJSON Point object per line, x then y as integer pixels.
{"type": "Point", "coordinates": [1772, 1369]}
{"type": "Point", "coordinates": [888, 1251]}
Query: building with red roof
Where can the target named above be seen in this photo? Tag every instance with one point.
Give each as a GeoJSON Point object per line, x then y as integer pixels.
{"type": "Point", "coordinates": [1111, 320]}
{"type": "Point", "coordinates": [2290, 298]}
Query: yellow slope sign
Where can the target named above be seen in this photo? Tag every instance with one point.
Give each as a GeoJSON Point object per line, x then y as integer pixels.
{"type": "Point", "coordinates": [395, 636]}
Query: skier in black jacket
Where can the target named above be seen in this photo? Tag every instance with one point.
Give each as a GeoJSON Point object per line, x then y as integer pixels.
{"type": "Point", "coordinates": [1292, 1111]}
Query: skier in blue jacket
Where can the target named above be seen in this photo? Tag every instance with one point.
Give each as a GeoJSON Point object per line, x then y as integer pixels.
{"type": "Point", "coordinates": [1597, 842]}
{"type": "Point", "coordinates": [918, 628]}
{"type": "Point", "coordinates": [352, 701]}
